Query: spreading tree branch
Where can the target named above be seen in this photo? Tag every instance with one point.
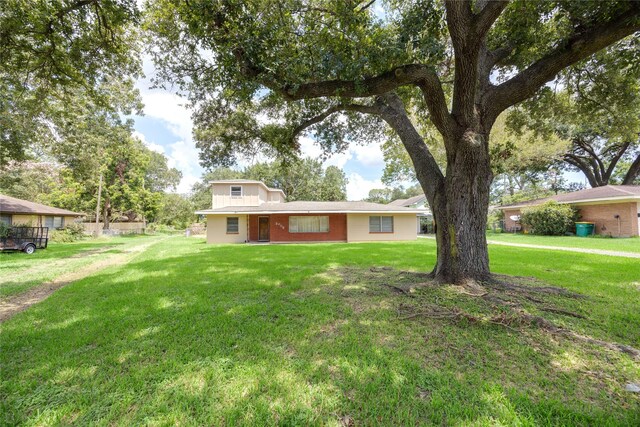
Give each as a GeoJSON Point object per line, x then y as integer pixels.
{"type": "Point", "coordinates": [583, 166]}
{"type": "Point", "coordinates": [488, 15]}
{"type": "Point", "coordinates": [633, 172]}
{"type": "Point", "coordinates": [615, 159]}
{"type": "Point", "coordinates": [574, 49]}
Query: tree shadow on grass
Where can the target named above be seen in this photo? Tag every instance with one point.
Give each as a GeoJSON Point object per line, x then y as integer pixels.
{"type": "Point", "coordinates": [269, 335]}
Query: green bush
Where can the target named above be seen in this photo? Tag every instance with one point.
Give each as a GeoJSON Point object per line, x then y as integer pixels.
{"type": "Point", "coordinates": [549, 219]}
{"type": "Point", "coordinates": [76, 230]}
{"type": "Point", "coordinates": [5, 229]}
{"type": "Point", "coordinates": [70, 233]}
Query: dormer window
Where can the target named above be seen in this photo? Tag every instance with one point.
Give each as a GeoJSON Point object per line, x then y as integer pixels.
{"type": "Point", "coordinates": [236, 191]}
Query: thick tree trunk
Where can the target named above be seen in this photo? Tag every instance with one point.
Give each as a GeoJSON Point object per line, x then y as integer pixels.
{"type": "Point", "coordinates": [460, 211]}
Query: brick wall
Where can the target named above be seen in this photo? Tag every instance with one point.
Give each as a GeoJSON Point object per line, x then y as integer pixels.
{"type": "Point", "coordinates": [510, 224]}
{"type": "Point", "coordinates": [279, 229]}
{"type": "Point", "coordinates": [603, 216]}
{"type": "Point", "coordinates": [606, 222]}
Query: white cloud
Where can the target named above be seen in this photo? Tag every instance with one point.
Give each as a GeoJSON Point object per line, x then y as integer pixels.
{"type": "Point", "coordinates": [309, 148]}
{"type": "Point", "coordinates": [338, 159]}
{"type": "Point", "coordinates": [369, 155]}
{"type": "Point", "coordinates": [183, 155]}
{"type": "Point", "coordinates": [150, 145]}
{"type": "Point", "coordinates": [171, 109]}
{"type": "Point", "coordinates": [186, 183]}
{"type": "Point", "coordinates": [358, 187]}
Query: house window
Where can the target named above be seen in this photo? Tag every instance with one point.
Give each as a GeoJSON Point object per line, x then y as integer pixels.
{"type": "Point", "coordinates": [54, 222]}
{"type": "Point", "coordinates": [233, 225]}
{"type": "Point", "coordinates": [236, 191]}
{"type": "Point", "coordinates": [5, 218]}
{"type": "Point", "coordinates": [380, 224]}
{"type": "Point", "coordinates": [308, 224]}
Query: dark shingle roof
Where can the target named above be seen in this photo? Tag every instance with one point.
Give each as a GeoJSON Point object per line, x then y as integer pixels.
{"type": "Point", "coordinates": [12, 205]}
{"type": "Point", "coordinates": [597, 193]}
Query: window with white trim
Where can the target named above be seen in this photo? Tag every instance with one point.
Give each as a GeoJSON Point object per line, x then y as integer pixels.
{"type": "Point", "coordinates": [236, 191]}
{"type": "Point", "coordinates": [233, 225]}
{"type": "Point", "coordinates": [380, 224]}
{"type": "Point", "coordinates": [6, 218]}
{"type": "Point", "coordinates": [308, 224]}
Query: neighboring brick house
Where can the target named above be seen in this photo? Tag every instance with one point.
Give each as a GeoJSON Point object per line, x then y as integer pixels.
{"type": "Point", "coordinates": [16, 212]}
{"type": "Point", "coordinates": [249, 211]}
{"type": "Point", "coordinates": [615, 209]}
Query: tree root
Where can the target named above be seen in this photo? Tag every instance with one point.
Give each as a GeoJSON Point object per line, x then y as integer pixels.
{"type": "Point", "coordinates": [499, 291]}
{"type": "Point", "coordinates": [563, 312]}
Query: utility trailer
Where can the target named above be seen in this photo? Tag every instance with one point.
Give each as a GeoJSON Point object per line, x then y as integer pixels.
{"type": "Point", "coordinates": [25, 239]}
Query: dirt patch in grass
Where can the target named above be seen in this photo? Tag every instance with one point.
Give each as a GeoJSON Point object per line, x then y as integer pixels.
{"type": "Point", "coordinates": [512, 302]}
{"type": "Point", "coordinates": [15, 304]}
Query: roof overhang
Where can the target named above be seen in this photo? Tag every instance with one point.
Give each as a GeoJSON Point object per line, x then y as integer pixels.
{"type": "Point", "coordinates": [240, 212]}
{"type": "Point", "coordinates": [8, 212]}
{"type": "Point", "coordinates": [599, 201]}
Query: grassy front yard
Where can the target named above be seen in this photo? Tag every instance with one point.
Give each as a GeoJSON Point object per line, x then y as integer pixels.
{"type": "Point", "coordinates": [19, 273]}
{"type": "Point", "coordinates": [188, 333]}
{"type": "Point", "coordinates": [631, 244]}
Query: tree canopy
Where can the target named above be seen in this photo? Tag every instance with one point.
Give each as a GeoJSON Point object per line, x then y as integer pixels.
{"type": "Point", "coordinates": [51, 50]}
{"type": "Point", "coordinates": [342, 69]}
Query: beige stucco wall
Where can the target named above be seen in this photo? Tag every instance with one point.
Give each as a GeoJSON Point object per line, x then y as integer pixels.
{"type": "Point", "coordinates": [222, 195]}
{"type": "Point", "coordinates": [217, 229]}
{"type": "Point", "coordinates": [275, 197]}
{"type": "Point", "coordinates": [404, 228]}
{"type": "Point", "coordinates": [36, 220]}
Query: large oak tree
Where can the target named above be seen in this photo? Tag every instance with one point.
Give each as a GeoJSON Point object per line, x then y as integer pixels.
{"type": "Point", "coordinates": [338, 68]}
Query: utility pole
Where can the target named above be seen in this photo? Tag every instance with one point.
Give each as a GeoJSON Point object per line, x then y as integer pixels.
{"type": "Point", "coordinates": [98, 206]}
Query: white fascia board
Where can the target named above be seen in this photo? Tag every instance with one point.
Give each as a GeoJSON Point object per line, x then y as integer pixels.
{"type": "Point", "coordinates": [307, 212]}
{"type": "Point", "coordinates": [603, 200]}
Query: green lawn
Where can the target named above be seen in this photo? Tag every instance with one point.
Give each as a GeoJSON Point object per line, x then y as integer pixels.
{"type": "Point", "coordinates": [631, 244]}
{"type": "Point", "coordinates": [19, 272]}
{"type": "Point", "coordinates": [196, 334]}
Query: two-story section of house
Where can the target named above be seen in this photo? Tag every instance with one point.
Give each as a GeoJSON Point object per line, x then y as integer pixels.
{"type": "Point", "coordinates": [249, 211]}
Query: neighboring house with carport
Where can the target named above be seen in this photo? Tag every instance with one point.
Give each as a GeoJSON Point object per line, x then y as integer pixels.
{"type": "Point", "coordinates": [17, 212]}
{"type": "Point", "coordinates": [614, 209]}
{"type": "Point", "coordinates": [249, 211]}
{"type": "Point", "coordinates": [417, 202]}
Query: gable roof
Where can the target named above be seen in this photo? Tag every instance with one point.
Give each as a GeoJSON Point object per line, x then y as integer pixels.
{"type": "Point", "coordinates": [597, 194]}
{"type": "Point", "coordinates": [312, 207]}
{"type": "Point", "coordinates": [13, 205]}
{"type": "Point", "coordinates": [245, 181]}
{"type": "Point", "coordinates": [408, 202]}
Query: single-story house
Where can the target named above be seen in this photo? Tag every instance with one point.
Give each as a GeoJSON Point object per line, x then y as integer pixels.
{"type": "Point", "coordinates": [614, 209]}
{"type": "Point", "coordinates": [23, 212]}
{"type": "Point", "coordinates": [417, 202]}
{"type": "Point", "coordinates": [249, 211]}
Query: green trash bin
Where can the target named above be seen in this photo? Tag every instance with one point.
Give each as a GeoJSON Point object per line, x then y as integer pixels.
{"type": "Point", "coordinates": [584, 229]}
